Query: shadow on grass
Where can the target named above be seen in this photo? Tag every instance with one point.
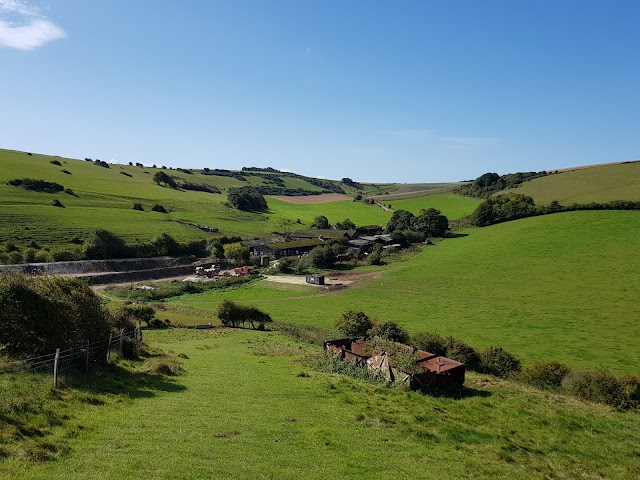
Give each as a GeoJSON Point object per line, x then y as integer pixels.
{"type": "Point", "coordinates": [457, 235]}
{"type": "Point", "coordinates": [116, 380]}
{"type": "Point", "coordinates": [459, 394]}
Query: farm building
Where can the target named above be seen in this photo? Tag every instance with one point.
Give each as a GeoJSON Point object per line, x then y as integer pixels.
{"type": "Point", "coordinates": [369, 230]}
{"type": "Point", "coordinates": [286, 249]}
{"type": "Point", "coordinates": [324, 234]}
{"type": "Point", "coordinates": [429, 371]}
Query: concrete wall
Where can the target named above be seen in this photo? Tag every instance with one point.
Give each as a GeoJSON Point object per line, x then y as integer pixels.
{"type": "Point", "coordinates": [99, 266]}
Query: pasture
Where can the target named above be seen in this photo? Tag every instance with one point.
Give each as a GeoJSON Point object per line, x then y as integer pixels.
{"type": "Point", "coordinates": [452, 206]}
{"type": "Point", "coordinates": [561, 287]}
{"type": "Point", "coordinates": [601, 183]}
{"type": "Point", "coordinates": [248, 408]}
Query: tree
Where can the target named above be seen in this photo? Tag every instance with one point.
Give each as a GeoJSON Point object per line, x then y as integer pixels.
{"type": "Point", "coordinates": [236, 252]}
{"type": "Point", "coordinates": [162, 177]}
{"type": "Point", "coordinates": [104, 244]}
{"type": "Point", "coordinates": [346, 224]}
{"type": "Point", "coordinates": [247, 199]}
{"type": "Point", "coordinates": [353, 323]}
{"type": "Point", "coordinates": [320, 222]}
{"type": "Point", "coordinates": [164, 244]}
{"type": "Point", "coordinates": [375, 257]}
{"type": "Point", "coordinates": [322, 257]}
{"type": "Point", "coordinates": [234, 315]}
{"type": "Point", "coordinates": [391, 331]}
{"type": "Point", "coordinates": [431, 222]}
{"type": "Point", "coordinates": [400, 220]}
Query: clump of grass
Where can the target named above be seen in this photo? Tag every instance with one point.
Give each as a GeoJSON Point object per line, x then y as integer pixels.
{"type": "Point", "coordinates": [162, 364]}
{"type": "Point", "coordinates": [327, 363]}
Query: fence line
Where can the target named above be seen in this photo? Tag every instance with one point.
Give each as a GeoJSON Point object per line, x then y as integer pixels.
{"type": "Point", "coordinates": [76, 359]}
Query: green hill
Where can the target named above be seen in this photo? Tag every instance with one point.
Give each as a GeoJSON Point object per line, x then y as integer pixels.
{"type": "Point", "coordinates": [560, 287]}
{"type": "Point", "coordinates": [103, 198]}
{"type": "Point", "coordinates": [601, 183]}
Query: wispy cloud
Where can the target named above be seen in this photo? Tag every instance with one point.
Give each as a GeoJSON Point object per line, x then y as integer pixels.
{"type": "Point", "coordinates": [24, 27]}
{"type": "Point", "coordinates": [454, 142]}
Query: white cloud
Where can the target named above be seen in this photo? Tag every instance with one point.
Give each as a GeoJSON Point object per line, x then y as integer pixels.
{"type": "Point", "coordinates": [24, 27]}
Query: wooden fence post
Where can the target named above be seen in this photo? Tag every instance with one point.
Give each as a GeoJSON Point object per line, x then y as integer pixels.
{"type": "Point", "coordinates": [55, 368]}
{"type": "Point", "coordinates": [109, 347]}
{"type": "Point", "coordinates": [86, 362]}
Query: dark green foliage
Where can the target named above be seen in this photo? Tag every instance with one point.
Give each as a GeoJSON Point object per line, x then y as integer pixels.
{"type": "Point", "coordinates": [502, 208]}
{"type": "Point", "coordinates": [37, 185]}
{"type": "Point", "coordinates": [497, 361]}
{"type": "Point", "coordinates": [159, 208]}
{"type": "Point", "coordinates": [247, 199]}
{"type": "Point", "coordinates": [544, 374]}
{"type": "Point", "coordinates": [351, 183]}
{"type": "Point", "coordinates": [431, 342]}
{"type": "Point", "coordinates": [596, 386]}
{"type": "Point", "coordinates": [66, 172]}
{"type": "Point", "coordinates": [461, 352]}
{"type": "Point", "coordinates": [163, 177]}
{"type": "Point", "coordinates": [322, 256]}
{"type": "Point", "coordinates": [431, 223]}
{"type": "Point", "coordinates": [126, 174]}
{"type": "Point", "coordinates": [104, 245]}
{"type": "Point", "coordinates": [346, 224]}
{"type": "Point", "coordinates": [184, 170]}
{"type": "Point", "coordinates": [57, 203]}
{"type": "Point", "coordinates": [400, 220]}
{"type": "Point", "coordinates": [101, 163]}
{"type": "Point", "coordinates": [490, 183]}
{"type": "Point", "coordinates": [320, 222]}
{"type": "Point", "coordinates": [232, 314]}
{"type": "Point", "coordinates": [164, 244]}
{"type": "Point", "coordinates": [390, 331]}
{"type": "Point", "coordinates": [68, 191]}
{"type": "Point", "coordinates": [199, 187]}
{"type": "Point", "coordinates": [225, 173]}
{"type": "Point", "coordinates": [40, 314]}
{"type": "Point", "coordinates": [353, 323]}
{"type": "Point", "coordinates": [55, 162]}
{"type": "Point", "coordinates": [127, 316]}
{"type": "Point", "coordinates": [138, 206]}
{"type": "Point", "coordinates": [375, 257]}
{"type": "Point", "coordinates": [236, 252]}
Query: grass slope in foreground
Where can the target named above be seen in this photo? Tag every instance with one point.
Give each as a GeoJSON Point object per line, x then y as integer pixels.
{"type": "Point", "coordinates": [246, 412]}
{"type": "Point", "coordinates": [602, 183]}
{"type": "Point", "coordinates": [558, 287]}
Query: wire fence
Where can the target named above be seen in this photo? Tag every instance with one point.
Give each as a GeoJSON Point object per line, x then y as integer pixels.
{"type": "Point", "coordinates": [77, 359]}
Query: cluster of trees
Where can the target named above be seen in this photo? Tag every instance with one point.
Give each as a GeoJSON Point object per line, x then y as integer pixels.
{"type": "Point", "coordinates": [101, 163]}
{"type": "Point", "coordinates": [490, 183]}
{"type": "Point", "coordinates": [106, 245]}
{"type": "Point", "coordinates": [199, 187]}
{"type": "Point", "coordinates": [36, 185]}
{"type": "Point", "coordinates": [166, 179]}
{"type": "Point", "coordinates": [232, 314]}
{"type": "Point", "coordinates": [247, 199]}
{"type": "Point", "coordinates": [430, 223]}
{"type": "Point", "coordinates": [512, 206]}
{"type": "Point", "coordinates": [351, 183]}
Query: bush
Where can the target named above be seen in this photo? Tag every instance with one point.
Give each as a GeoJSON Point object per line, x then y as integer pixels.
{"type": "Point", "coordinates": [247, 198]}
{"type": "Point", "coordinates": [37, 185]}
{"type": "Point", "coordinates": [55, 162]}
{"type": "Point", "coordinates": [597, 386]}
{"type": "Point", "coordinates": [461, 352]}
{"type": "Point", "coordinates": [57, 203]}
{"type": "Point", "coordinates": [234, 315]}
{"type": "Point", "coordinates": [321, 257]}
{"type": "Point", "coordinates": [544, 374]}
{"type": "Point", "coordinates": [138, 206]}
{"type": "Point", "coordinates": [375, 257]}
{"type": "Point", "coordinates": [42, 313]}
{"type": "Point", "coordinates": [497, 361]}
{"type": "Point", "coordinates": [104, 244]}
{"type": "Point", "coordinates": [159, 209]}
{"type": "Point", "coordinates": [431, 342]}
{"type": "Point", "coordinates": [389, 330]}
{"type": "Point", "coordinates": [353, 323]}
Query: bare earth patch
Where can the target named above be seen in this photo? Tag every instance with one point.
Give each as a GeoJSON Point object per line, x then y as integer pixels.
{"type": "Point", "coordinates": [312, 199]}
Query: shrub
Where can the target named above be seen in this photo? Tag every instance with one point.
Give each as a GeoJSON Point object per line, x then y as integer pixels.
{"type": "Point", "coordinates": [55, 162]}
{"type": "Point", "coordinates": [247, 198]}
{"type": "Point", "coordinates": [375, 257]}
{"type": "Point", "coordinates": [431, 342]}
{"type": "Point", "coordinates": [597, 386]}
{"type": "Point", "coordinates": [104, 244]}
{"type": "Point", "coordinates": [165, 244]}
{"type": "Point", "coordinates": [65, 255]}
{"type": "Point", "coordinates": [14, 257]}
{"type": "Point", "coordinates": [159, 208]}
{"type": "Point", "coordinates": [66, 172]}
{"type": "Point", "coordinates": [69, 191]}
{"type": "Point", "coordinates": [37, 185]}
{"type": "Point", "coordinates": [138, 206]}
{"type": "Point", "coordinates": [42, 313]}
{"type": "Point", "coordinates": [391, 331]}
{"type": "Point", "coordinates": [234, 315]}
{"type": "Point", "coordinates": [57, 203]}
{"type": "Point", "coordinates": [497, 361]}
{"type": "Point", "coordinates": [321, 257]}
{"type": "Point", "coordinates": [544, 374]}
{"type": "Point", "coordinates": [461, 352]}
{"type": "Point", "coordinates": [354, 323]}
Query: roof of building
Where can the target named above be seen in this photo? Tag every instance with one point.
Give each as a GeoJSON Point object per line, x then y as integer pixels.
{"type": "Point", "coordinates": [323, 232]}
{"type": "Point", "coordinates": [295, 244]}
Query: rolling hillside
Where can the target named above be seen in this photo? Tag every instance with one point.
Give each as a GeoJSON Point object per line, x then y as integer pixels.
{"type": "Point", "coordinates": [601, 183]}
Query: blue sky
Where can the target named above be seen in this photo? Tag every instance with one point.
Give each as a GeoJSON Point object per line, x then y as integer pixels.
{"type": "Point", "coordinates": [404, 91]}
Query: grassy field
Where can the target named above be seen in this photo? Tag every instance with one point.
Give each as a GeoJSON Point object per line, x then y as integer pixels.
{"type": "Point", "coordinates": [590, 184]}
{"type": "Point", "coordinates": [560, 287]}
{"type": "Point", "coordinates": [248, 409]}
{"type": "Point", "coordinates": [452, 206]}
{"type": "Point", "coordinates": [103, 198]}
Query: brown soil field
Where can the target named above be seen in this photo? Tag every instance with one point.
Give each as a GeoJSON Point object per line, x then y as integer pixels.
{"type": "Point", "coordinates": [312, 199]}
